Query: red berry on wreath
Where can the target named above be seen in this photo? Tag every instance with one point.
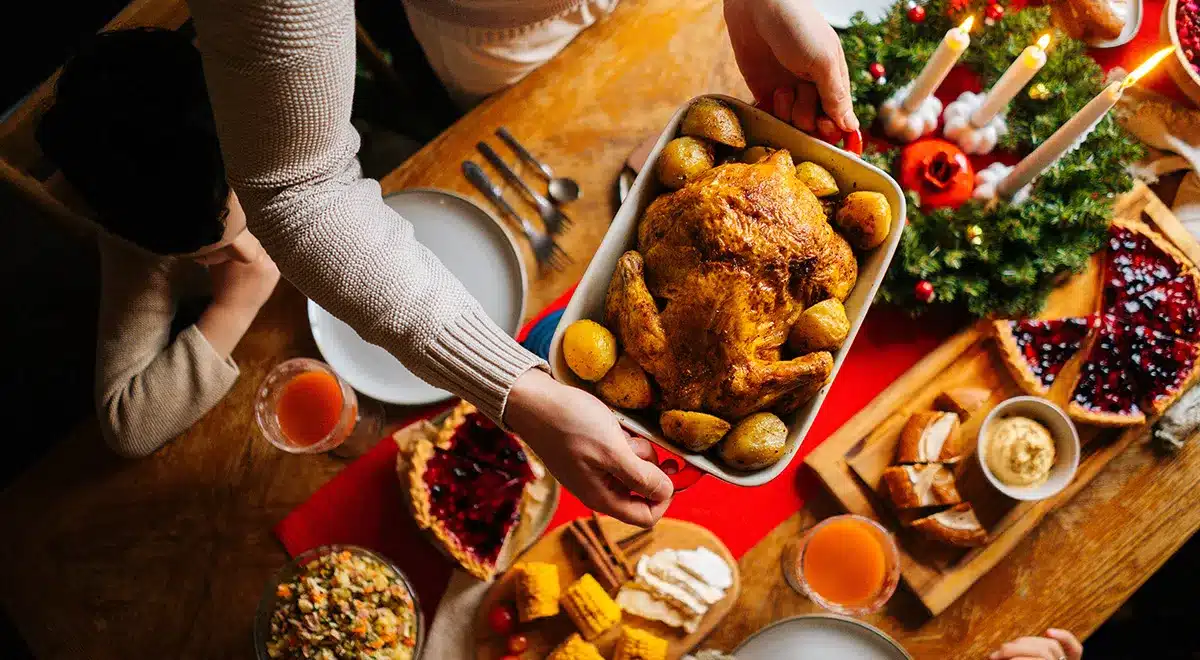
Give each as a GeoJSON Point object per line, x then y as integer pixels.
{"type": "Point", "coordinates": [924, 291]}
{"type": "Point", "coordinates": [938, 171]}
{"type": "Point", "coordinates": [876, 70]}
{"type": "Point", "coordinates": [994, 12]}
{"type": "Point", "coordinates": [502, 618]}
{"type": "Point", "coordinates": [916, 14]}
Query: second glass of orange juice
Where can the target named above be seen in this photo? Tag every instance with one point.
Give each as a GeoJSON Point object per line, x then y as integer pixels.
{"type": "Point", "coordinates": [846, 564]}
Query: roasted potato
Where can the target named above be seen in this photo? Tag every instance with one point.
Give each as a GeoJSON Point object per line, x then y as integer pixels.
{"type": "Point", "coordinates": [755, 154]}
{"type": "Point", "coordinates": [682, 160]}
{"type": "Point", "coordinates": [822, 327]}
{"type": "Point", "coordinates": [755, 442]}
{"type": "Point", "coordinates": [712, 120]}
{"type": "Point", "coordinates": [865, 218]}
{"type": "Point", "coordinates": [625, 385]}
{"type": "Point", "coordinates": [589, 349]}
{"type": "Point", "coordinates": [817, 178]}
{"type": "Point", "coordinates": [696, 431]}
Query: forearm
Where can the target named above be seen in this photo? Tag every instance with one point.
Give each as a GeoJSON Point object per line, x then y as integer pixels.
{"type": "Point", "coordinates": [281, 78]}
{"type": "Point", "coordinates": [224, 326]}
{"type": "Point", "coordinates": [143, 409]}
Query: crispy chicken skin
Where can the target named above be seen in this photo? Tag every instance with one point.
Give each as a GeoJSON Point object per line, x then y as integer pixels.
{"type": "Point", "coordinates": [724, 267]}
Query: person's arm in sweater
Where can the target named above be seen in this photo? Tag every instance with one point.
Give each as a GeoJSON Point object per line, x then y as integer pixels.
{"type": "Point", "coordinates": [150, 387]}
{"type": "Point", "coordinates": [281, 77]}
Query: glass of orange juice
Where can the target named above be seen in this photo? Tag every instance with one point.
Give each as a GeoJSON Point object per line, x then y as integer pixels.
{"type": "Point", "coordinates": [846, 564]}
{"type": "Point", "coordinates": [303, 407]}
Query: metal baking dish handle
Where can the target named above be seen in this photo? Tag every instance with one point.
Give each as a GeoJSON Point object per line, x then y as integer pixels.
{"type": "Point", "coordinates": [683, 475]}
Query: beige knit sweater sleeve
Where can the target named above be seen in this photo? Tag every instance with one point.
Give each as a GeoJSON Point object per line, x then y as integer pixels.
{"type": "Point", "coordinates": [149, 387]}
{"type": "Point", "coordinates": [281, 77]}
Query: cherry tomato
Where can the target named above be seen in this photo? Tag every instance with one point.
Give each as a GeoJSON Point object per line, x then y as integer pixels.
{"type": "Point", "coordinates": [502, 618]}
{"type": "Point", "coordinates": [517, 644]}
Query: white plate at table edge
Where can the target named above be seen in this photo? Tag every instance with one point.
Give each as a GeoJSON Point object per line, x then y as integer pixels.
{"type": "Point", "coordinates": [345, 369]}
{"type": "Point", "coordinates": [807, 620]}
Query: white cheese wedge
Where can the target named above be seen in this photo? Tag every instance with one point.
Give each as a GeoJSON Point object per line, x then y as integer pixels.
{"type": "Point", "coordinates": [707, 566]}
{"type": "Point", "coordinates": [665, 566]}
{"type": "Point", "coordinates": [634, 599]}
{"type": "Point", "coordinates": [675, 596]}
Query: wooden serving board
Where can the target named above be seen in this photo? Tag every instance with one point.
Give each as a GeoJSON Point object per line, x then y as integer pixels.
{"type": "Point", "coordinates": [559, 548]}
{"type": "Point", "coordinates": [852, 460]}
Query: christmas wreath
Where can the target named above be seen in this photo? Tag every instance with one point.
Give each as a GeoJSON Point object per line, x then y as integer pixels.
{"type": "Point", "coordinates": [1002, 259]}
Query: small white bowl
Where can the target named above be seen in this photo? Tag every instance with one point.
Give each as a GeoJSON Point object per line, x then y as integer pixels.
{"type": "Point", "coordinates": [1066, 442]}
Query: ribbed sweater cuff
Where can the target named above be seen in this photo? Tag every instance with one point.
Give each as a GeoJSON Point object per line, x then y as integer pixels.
{"type": "Point", "coordinates": [477, 359]}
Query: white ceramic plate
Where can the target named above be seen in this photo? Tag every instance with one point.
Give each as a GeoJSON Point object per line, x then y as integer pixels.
{"type": "Point", "coordinates": [838, 12]}
{"type": "Point", "coordinates": [820, 637]}
{"type": "Point", "coordinates": [1132, 9]}
{"type": "Point", "coordinates": [851, 172]}
{"type": "Point", "coordinates": [481, 254]}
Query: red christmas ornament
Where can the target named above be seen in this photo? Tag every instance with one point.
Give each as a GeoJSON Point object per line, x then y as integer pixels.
{"type": "Point", "coordinates": [916, 14]}
{"type": "Point", "coordinates": [938, 171]}
{"type": "Point", "coordinates": [924, 291]}
{"type": "Point", "coordinates": [993, 12]}
{"type": "Point", "coordinates": [876, 70]}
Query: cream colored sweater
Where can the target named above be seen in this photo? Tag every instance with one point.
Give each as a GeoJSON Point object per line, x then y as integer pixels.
{"type": "Point", "coordinates": [151, 387]}
{"type": "Point", "coordinates": [281, 77]}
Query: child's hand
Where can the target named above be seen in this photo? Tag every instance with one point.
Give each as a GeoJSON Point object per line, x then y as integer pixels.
{"type": "Point", "coordinates": [244, 285]}
{"type": "Point", "coordinates": [1056, 645]}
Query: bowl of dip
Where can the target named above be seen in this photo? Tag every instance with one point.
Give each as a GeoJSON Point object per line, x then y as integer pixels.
{"type": "Point", "coordinates": [1028, 448]}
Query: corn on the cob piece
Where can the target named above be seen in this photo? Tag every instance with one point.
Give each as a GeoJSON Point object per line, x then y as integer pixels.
{"type": "Point", "coordinates": [590, 607]}
{"type": "Point", "coordinates": [537, 590]}
{"type": "Point", "coordinates": [637, 644]}
{"type": "Point", "coordinates": [575, 649]}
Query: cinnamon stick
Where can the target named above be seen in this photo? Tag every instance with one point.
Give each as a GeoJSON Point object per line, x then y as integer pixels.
{"type": "Point", "coordinates": [612, 547]}
{"type": "Point", "coordinates": [596, 555]}
{"type": "Point", "coordinates": [641, 533]}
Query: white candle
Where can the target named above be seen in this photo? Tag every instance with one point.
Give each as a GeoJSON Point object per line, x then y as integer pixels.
{"type": "Point", "coordinates": [1018, 74]}
{"type": "Point", "coordinates": [1073, 133]}
{"type": "Point", "coordinates": [953, 45]}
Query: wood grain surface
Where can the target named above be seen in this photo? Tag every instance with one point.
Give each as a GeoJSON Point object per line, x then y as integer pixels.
{"type": "Point", "coordinates": [560, 549]}
{"type": "Point", "coordinates": [166, 557]}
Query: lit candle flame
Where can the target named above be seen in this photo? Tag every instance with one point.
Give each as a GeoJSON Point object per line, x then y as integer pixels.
{"type": "Point", "coordinates": [1146, 67]}
{"type": "Point", "coordinates": [966, 25]}
{"type": "Point", "coordinates": [1043, 42]}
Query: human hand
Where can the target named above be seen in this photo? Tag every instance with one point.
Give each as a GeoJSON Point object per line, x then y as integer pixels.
{"type": "Point", "coordinates": [1056, 645]}
{"type": "Point", "coordinates": [246, 283]}
{"type": "Point", "coordinates": [584, 447]}
{"type": "Point", "coordinates": [791, 59]}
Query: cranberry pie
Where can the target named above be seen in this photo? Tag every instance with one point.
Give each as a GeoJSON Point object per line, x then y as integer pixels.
{"type": "Point", "coordinates": [1139, 355]}
{"type": "Point", "coordinates": [1037, 351]}
{"type": "Point", "coordinates": [467, 486]}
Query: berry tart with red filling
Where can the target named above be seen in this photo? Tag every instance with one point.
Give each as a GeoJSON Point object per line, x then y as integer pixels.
{"type": "Point", "coordinates": [467, 486]}
{"type": "Point", "coordinates": [1036, 351]}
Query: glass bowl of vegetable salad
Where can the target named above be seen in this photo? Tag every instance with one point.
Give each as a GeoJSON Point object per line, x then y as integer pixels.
{"type": "Point", "coordinates": [338, 602]}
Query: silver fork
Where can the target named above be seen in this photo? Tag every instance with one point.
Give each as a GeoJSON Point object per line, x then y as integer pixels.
{"type": "Point", "coordinates": [556, 221]}
{"type": "Point", "coordinates": [545, 249]}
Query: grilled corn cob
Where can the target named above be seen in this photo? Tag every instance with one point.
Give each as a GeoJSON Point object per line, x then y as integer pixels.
{"type": "Point", "coordinates": [636, 644]}
{"type": "Point", "coordinates": [537, 590]}
{"type": "Point", "coordinates": [590, 607]}
{"type": "Point", "coordinates": [575, 649]}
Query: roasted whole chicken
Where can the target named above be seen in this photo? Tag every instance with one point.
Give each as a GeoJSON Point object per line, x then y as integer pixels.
{"type": "Point", "coordinates": [723, 268]}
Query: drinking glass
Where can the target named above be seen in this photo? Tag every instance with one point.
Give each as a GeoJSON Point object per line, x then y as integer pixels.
{"type": "Point", "coordinates": [794, 567]}
{"type": "Point", "coordinates": [351, 423]}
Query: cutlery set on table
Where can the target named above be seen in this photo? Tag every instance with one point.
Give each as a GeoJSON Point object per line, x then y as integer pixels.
{"type": "Point", "coordinates": [561, 190]}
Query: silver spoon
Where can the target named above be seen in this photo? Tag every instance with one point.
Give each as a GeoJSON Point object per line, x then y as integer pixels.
{"type": "Point", "coordinates": [563, 190]}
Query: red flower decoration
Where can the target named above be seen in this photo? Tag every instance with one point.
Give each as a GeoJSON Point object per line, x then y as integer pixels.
{"type": "Point", "coordinates": [938, 171]}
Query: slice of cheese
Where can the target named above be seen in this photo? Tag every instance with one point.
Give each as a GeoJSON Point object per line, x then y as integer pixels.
{"type": "Point", "coordinates": [675, 596]}
{"type": "Point", "coordinates": [636, 600]}
{"type": "Point", "coordinates": [707, 566]}
{"type": "Point", "coordinates": [665, 566]}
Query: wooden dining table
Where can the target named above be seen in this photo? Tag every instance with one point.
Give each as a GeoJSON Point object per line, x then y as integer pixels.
{"type": "Point", "coordinates": [166, 557]}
